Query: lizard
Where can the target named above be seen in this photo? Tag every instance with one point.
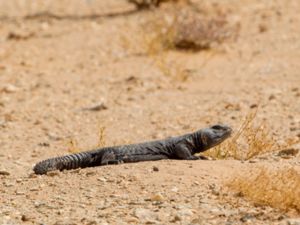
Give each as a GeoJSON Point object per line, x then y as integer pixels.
{"type": "Point", "coordinates": [181, 147]}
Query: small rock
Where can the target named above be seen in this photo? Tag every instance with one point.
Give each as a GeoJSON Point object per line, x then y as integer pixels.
{"type": "Point", "coordinates": [185, 212]}
{"type": "Point", "coordinates": [44, 144]}
{"type": "Point", "coordinates": [32, 175]}
{"type": "Point", "coordinates": [295, 89]}
{"type": "Point", "coordinates": [216, 211]}
{"type": "Point", "coordinates": [247, 217]}
{"type": "Point", "coordinates": [4, 173]}
{"type": "Point", "coordinates": [102, 179]}
{"type": "Point", "coordinates": [288, 152]}
{"type": "Point", "coordinates": [20, 193]}
{"type": "Point", "coordinates": [38, 204]}
{"type": "Point", "coordinates": [262, 28]}
{"type": "Point", "coordinates": [90, 173]}
{"type": "Point", "coordinates": [53, 136]}
{"type": "Point", "coordinates": [197, 221]}
{"type": "Point", "coordinates": [78, 170]}
{"type": "Point", "coordinates": [34, 189]}
{"type": "Point", "coordinates": [2, 122]}
{"type": "Point", "coordinates": [52, 173]}
{"type": "Point", "coordinates": [295, 221]}
{"type": "Point", "coordinates": [9, 88]}
{"type": "Point", "coordinates": [157, 198]}
{"type": "Point", "coordinates": [155, 168]}
{"type": "Point", "coordinates": [253, 161]}
{"type": "Point", "coordinates": [8, 184]}
{"type": "Point", "coordinates": [176, 218]}
{"type": "Point", "coordinates": [271, 97]}
{"type": "Point", "coordinates": [174, 189]}
{"type": "Point", "coordinates": [132, 220]}
{"type": "Point", "coordinates": [110, 180]}
{"type": "Point", "coordinates": [239, 194]}
{"type": "Point", "coordinates": [145, 215]}
{"type": "Point", "coordinates": [98, 107]}
{"type": "Point", "coordinates": [25, 218]}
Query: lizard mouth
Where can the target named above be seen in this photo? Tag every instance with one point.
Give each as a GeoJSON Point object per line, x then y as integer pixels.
{"type": "Point", "coordinates": [226, 134]}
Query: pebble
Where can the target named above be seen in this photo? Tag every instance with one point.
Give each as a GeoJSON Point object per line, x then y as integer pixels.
{"type": "Point", "coordinates": [295, 221]}
{"type": "Point", "coordinates": [32, 175]}
{"type": "Point", "coordinates": [174, 189]}
{"type": "Point", "coordinates": [20, 193]}
{"type": "Point", "coordinates": [34, 189]}
{"type": "Point", "coordinates": [197, 221]}
{"type": "Point", "coordinates": [253, 161]}
{"type": "Point", "coordinates": [157, 198]}
{"type": "Point", "coordinates": [132, 220]}
{"type": "Point", "coordinates": [8, 184]}
{"type": "Point", "coordinates": [98, 107]}
{"type": "Point", "coordinates": [25, 218]}
{"type": "Point", "coordinates": [155, 168]}
{"type": "Point", "coordinates": [184, 212]}
{"type": "Point", "coordinates": [9, 88]}
{"type": "Point", "coordinates": [247, 218]}
{"type": "Point", "coordinates": [176, 218]}
{"type": "Point", "coordinates": [102, 179]}
{"type": "Point", "coordinates": [78, 170]}
{"type": "Point", "coordinates": [52, 173]}
{"type": "Point", "coordinates": [4, 173]}
{"type": "Point", "coordinates": [272, 96]}
{"type": "Point", "coordinates": [90, 173]}
{"type": "Point", "coordinates": [145, 215]}
{"type": "Point", "coordinates": [288, 152]}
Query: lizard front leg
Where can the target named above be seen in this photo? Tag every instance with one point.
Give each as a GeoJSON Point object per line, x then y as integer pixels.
{"type": "Point", "coordinates": [182, 151]}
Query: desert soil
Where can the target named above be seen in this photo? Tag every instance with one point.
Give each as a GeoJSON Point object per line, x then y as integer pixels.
{"type": "Point", "coordinates": [53, 69]}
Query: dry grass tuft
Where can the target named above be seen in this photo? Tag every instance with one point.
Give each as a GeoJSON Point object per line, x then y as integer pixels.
{"type": "Point", "coordinates": [182, 29]}
{"type": "Point", "coordinates": [72, 146]}
{"type": "Point", "coordinates": [186, 29]}
{"type": "Point", "coordinates": [102, 137]}
{"type": "Point", "coordinates": [278, 189]}
{"type": "Point", "coordinates": [250, 141]}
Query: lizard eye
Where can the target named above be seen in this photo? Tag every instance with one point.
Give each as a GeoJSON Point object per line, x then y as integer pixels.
{"type": "Point", "coordinates": [217, 127]}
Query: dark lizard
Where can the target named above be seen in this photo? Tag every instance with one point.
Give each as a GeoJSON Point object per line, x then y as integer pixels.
{"type": "Point", "coordinates": [181, 147]}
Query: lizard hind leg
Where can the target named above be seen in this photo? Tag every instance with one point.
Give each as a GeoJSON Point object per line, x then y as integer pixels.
{"type": "Point", "coordinates": [110, 158]}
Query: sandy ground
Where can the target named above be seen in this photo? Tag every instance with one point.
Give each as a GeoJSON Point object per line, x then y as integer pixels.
{"type": "Point", "coordinates": [51, 68]}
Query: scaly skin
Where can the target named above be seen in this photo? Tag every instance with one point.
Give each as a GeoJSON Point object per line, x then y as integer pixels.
{"type": "Point", "coordinates": [181, 147]}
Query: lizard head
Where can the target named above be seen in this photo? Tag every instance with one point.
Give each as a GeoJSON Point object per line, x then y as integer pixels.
{"type": "Point", "coordinates": [214, 135]}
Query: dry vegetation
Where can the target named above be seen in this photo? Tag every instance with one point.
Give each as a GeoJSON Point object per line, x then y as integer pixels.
{"type": "Point", "coordinates": [250, 140]}
{"type": "Point", "coordinates": [72, 146]}
{"type": "Point", "coordinates": [186, 29]}
{"type": "Point", "coordinates": [102, 137]}
{"type": "Point", "coordinates": [182, 29]}
{"type": "Point", "coordinates": [277, 188]}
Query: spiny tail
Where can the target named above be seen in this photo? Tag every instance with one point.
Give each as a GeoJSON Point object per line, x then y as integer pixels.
{"type": "Point", "coordinates": [73, 161]}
